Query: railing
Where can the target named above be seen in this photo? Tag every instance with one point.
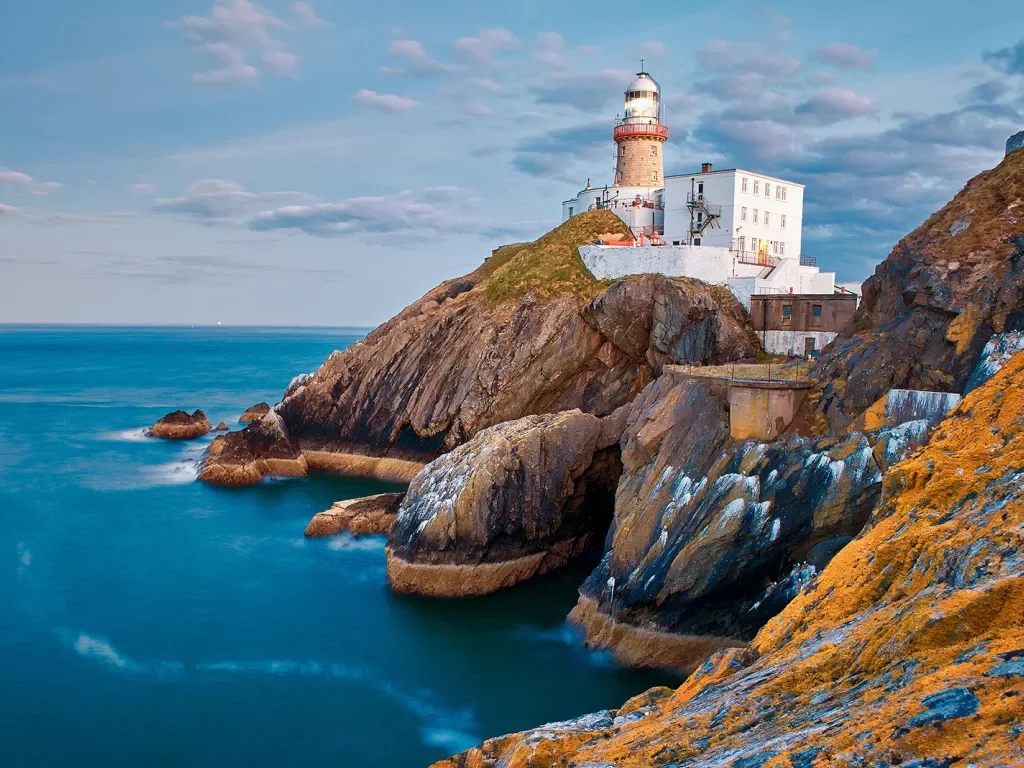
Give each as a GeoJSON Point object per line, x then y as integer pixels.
{"type": "Point", "coordinates": [641, 129]}
{"type": "Point", "coordinates": [697, 201]}
{"type": "Point", "coordinates": [754, 257]}
{"type": "Point", "coordinates": [808, 261]}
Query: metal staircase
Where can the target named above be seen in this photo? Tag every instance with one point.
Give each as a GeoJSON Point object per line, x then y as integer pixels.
{"type": "Point", "coordinates": [703, 215]}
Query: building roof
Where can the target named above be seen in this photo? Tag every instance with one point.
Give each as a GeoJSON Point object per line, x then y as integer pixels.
{"type": "Point", "coordinates": [643, 82]}
{"type": "Point", "coordinates": [734, 170]}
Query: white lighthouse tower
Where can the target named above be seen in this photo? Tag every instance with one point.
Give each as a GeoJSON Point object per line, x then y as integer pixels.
{"type": "Point", "coordinates": [636, 196]}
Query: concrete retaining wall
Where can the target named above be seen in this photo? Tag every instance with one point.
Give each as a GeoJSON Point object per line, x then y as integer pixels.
{"type": "Point", "coordinates": [712, 265]}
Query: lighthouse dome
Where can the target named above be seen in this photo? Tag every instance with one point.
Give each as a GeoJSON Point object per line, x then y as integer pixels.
{"type": "Point", "coordinates": [643, 99]}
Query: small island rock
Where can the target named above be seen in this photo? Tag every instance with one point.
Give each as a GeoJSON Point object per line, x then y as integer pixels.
{"type": "Point", "coordinates": [368, 515]}
{"type": "Point", "coordinates": [181, 425]}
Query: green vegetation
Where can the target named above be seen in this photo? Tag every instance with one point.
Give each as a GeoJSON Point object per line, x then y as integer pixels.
{"type": "Point", "coordinates": [550, 266]}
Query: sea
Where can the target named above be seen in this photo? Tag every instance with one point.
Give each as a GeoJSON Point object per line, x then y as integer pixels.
{"type": "Point", "coordinates": [147, 619]}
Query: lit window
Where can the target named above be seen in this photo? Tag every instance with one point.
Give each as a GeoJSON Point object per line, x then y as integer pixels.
{"type": "Point", "coordinates": [757, 187]}
{"type": "Point", "coordinates": [782, 221]}
{"type": "Point", "coordinates": [743, 214]}
{"type": "Point", "coordinates": [767, 189]}
{"type": "Point", "coordinates": [755, 215]}
{"type": "Point", "coordinates": [767, 218]}
{"type": "Point", "coordinates": [787, 312]}
{"type": "Point", "coordinates": [744, 184]}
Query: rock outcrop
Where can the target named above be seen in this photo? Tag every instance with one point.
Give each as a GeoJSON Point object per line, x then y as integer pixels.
{"type": "Point", "coordinates": [267, 451]}
{"type": "Point", "coordinates": [180, 425]}
{"type": "Point", "coordinates": [932, 305]}
{"type": "Point", "coordinates": [516, 501]}
{"type": "Point", "coordinates": [365, 516]}
{"type": "Point", "coordinates": [706, 527]}
{"type": "Point", "coordinates": [908, 649]}
{"type": "Point", "coordinates": [255, 413]}
{"type": "Point", "coordinates": [529, 332]}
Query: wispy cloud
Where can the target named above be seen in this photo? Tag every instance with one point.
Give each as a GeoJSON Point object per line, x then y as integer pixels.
{"type": "Point", "coordinates": [25, 183]}
{"type": "Point", "coordinates": [846, 56]}
{"type": "Point", "coordinates": [385, 102]}
{"type": "Point", "coordinates": [484, 48]}
{"type": "Point", "coordinates": [1009, 60]}
{"type": "Point", "coordinates": [216, 201]}
{"type": "Point", "coordinates": [307, 17]}
{"type": "Point", "coordinates": [835, 104]}
{"type": "Point", "coordinates": [415, 55]}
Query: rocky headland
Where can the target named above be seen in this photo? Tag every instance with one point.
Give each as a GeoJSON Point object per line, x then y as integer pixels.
{"type": "Point", "coordinates": [859, 571]}
{"type": "Point", "coordinates": [361, 517]}
{"type": "Point", "coordinates": [180, 425]}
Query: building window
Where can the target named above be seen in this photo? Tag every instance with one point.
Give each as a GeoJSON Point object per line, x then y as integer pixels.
{"type": "Point", "coordinates": [775, 247]}
{"type": "Point", "coordinates": [782, 221]}
{"type": "Point", "coordinates": [675, 242]}
{"type": "Point", "coordinates": [767, 218]}
{"type": "Point", "coordinates": [744, 185]}
{"type": "Point", "coordinates": [654, 175]}
{"type": "Point", "coordinates": [696, 241]}
{"type": "Point", "coordinates": [816, 314]}
{"type": "Point", "coordinates": [787, 313]}
{"type": "Point", "coordinates": [767, 189]}
{"type": "Point", "coordinates": [743, 214]}
{"type": "Point", "coordinates": [757, 187]}
{"type": "Point", "coordinates": [570, 211]}
{"type": "Point", "coordinates": [700, 190]}
{"type": "Point", "coordinates": [783, 193]}
{"type": "Point", "coordinates": [740, 243]}
{"type": "Point", "coordinates": [654, 150]}
{"type": "Point", "coordinates": [782, 249]}
{"type": "Point", "coordinates": [755, 215]}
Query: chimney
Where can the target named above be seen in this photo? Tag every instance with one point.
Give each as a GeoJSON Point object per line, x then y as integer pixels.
{"type": "Point", "coordinates": [705, 168]}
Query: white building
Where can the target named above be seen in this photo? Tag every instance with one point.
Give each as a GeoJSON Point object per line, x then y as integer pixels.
{"type": "Point", "coordinates": [731, 227]}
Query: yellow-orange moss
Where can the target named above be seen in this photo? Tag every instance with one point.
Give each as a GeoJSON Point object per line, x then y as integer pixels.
{"type": "Point", "coordinates": [926, 600]}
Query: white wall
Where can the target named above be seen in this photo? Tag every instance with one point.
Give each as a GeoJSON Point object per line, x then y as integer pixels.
{"type": "Point", "coordinates": [792, 342]}
{"type": "Point", "coordinates": [712, 265]}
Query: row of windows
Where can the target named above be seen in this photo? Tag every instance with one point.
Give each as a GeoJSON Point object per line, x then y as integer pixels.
{"type": "Point", "coordinates": [787, 313]}
{"type": "Point", "coordinates": [780, 191]}
{"type": "Point", "coordinates": [767, 217]}
{"type": "Point", "coordinates": [777, 247]}
{"type": "Point", "coordinates": [641, 95]}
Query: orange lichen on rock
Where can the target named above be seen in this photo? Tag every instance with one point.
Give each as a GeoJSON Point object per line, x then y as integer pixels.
{"type": "Point", "coordinates": [908, 646]}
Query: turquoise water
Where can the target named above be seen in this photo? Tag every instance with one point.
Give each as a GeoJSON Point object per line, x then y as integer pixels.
{"type": "Point", "coordinates": [146, 619]}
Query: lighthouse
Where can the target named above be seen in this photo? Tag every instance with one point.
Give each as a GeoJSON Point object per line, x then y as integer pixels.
{"type": "Point", "coordinates": [640, 136]}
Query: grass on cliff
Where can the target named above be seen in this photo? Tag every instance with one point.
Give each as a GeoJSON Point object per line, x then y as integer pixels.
{"type": "Point", "coordinates": [551, 265]}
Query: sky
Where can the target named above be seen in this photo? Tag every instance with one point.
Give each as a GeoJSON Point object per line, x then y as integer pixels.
{"type": "Point", "coordinates": [328, 162]}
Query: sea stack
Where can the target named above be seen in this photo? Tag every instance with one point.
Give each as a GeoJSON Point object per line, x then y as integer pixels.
{"type": "Point", "coordinates": [181, 425]}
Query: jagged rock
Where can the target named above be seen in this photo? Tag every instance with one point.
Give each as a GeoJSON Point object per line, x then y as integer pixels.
{"type": "Point", "coordinates": [529, 332]}
{"type": "Point", "coordinates": [180, 425]}
{"type": "Point", "coordinates": [704, 524]}
{"type": "Point", "coordinates": [268, 452]}
{"type": "Point", "coordinates": [255, 413]}
{"type": "Point", "coordinates": [516, 501]}
{"type": "Point", "coordinates": [221, 427]}
{"type": "Point", "coordinates": [997, 353]}
{"type": "Point", "coordinates": [922, 324]}
{"type": "Point", "coordinates": [368, 515]}
{"type": "Point", "coordinates": [904, 651]}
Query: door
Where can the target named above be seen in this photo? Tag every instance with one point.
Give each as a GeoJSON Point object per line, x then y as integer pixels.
{"type": "Point", "coordinates": [809, 346]}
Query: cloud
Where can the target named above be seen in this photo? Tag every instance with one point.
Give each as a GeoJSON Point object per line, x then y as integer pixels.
{"type": "Point", "coordinates": [553, 154]}
{"type": "Point", "coordinates": [987, 92]}
{"type": "Point", "coordinates": [385, 102]}
{"type": "Point", "coordinates": [306, 16]}
{"type": "Point", "coordinates": [551, 51]}
{"type": "Point", "coordinates": [215, 201]}
{"type": "Point", "coordinates": [435, 211]}
{"type": "Point", "coordinates": [486, 83]}
{"type": "Point", "coordinates": [413, 52]}
{"type": "Point", "coordinates": [240, 37]}
{"type": "Point", "coordinates": [483, 49]}
{"type": "Point", "coordinates": [846, 56]}
{"type": "Point", "coordinates": [26, 183]}
{"type": "Point", "coordinates": [143, 189]}
{"type": "Point", "coordinates": [590, 92]}
{"type": "Point", "coordinates": [833, 105]}
{"type": "Point", "coordinates": [1009, 60]}
{"type": "Point", "coordinates": [478, 110]}
{"type": "Point", "coordinates": [7, 210]}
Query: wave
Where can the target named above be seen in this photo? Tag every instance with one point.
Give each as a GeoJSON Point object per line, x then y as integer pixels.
{"type": "Point", "coordinates": [443, 727]}
{"type": "Point", "coordinates": [346, 542]}
{"type": "Point", "coordinates": [135, 435]}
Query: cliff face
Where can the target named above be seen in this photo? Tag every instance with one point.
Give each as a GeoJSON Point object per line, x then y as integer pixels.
{"type": "Point", "coordinates": [934, 303]}
{"type": "Point", "coordinates": [908, 649]}
{"type": "Point", "coordinates": [529, 332]}
{"type": "Point", "coordinates": [712, 536]}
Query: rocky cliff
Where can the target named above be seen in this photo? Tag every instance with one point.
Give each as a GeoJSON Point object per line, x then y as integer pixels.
{"type": "Point", "coordinates": [933, 304]}
{"type": "Point", "coordinates": [908, 649]}
{"type": "Point", "coordinates": [529, 332]}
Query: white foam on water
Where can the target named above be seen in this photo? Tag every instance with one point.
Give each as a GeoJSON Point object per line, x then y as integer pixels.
{"type": "Point", "coordinates": [171, 473]}
{"type": "Point", "coordinates": [346, 542]}
{"type": "Point", "coordinates": [452, 741]}
{"type": "Point", "coordinates": [135, 435]}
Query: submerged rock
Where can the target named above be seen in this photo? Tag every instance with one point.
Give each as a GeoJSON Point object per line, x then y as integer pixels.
{"type": "Point", "coordinates": [904, 651]}
{"type": "Point", "coordinates": [180, 425]}
{"type": "Point", "coordinates": [255, 413]}
{"type": "Point", "coordinates": [704, 525]}
{"type": "Point", "coordinates": [516, 501]}
{"type": "Point", "coordinates": [368, 515]}
{"type": "Point", "coordinates": [529, 332]}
